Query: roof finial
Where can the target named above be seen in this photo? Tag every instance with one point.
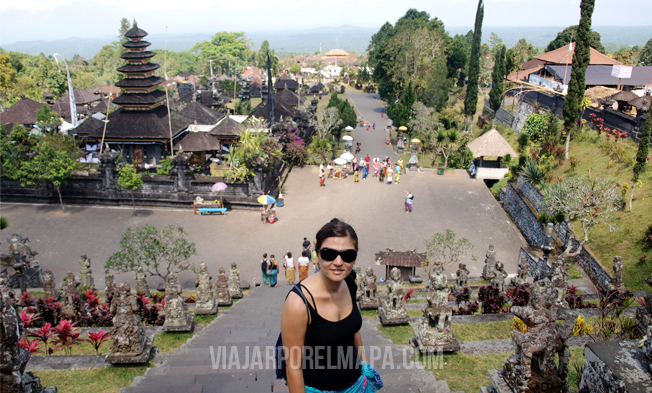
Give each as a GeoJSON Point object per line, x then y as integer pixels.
{"type": "Point", "coordinates": [135, 23]}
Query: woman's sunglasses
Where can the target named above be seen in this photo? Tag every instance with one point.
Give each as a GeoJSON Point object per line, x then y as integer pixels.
{"type": "Point", "coordinates": [329, 255]}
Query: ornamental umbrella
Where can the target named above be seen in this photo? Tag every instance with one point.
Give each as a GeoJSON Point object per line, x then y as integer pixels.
{"type": "Point", "coordinates": [402, 128]}
{"type": "Point", "coordinates": [348, 128]}
{"type": "Point", "coordinates": [266, 199]}
{"type": "Point", "coordinates": [347, 137]}
{"type": "Point", "coordinates": [340, 161]}
{"type": "Point", "coordinates": [219, 187]}
{"type": "Point", "coordinates": [415, 140]}
{"type": "Point", "coordinates": [347, 156]}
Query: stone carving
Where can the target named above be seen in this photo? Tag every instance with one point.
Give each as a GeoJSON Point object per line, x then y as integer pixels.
{"type": "Point", "coordinates": [359, 282]}
{"type": "Point", "coordinates": [521, 273]}
{"type": "Point", "coordinates": [369, 299]}
{"type": "Point", "coordinates": [644, 314]}
{"type": "Point", "coordinates": [128, 337]}
{"type": "Point", "coordinates": [49, 286]}
{"type": "Point", "coordinates": [6, 293]}
{"type": "Point", "coordinates": [532, 368]}
{"type": "Point", "coordinates": [234, 281]}
{"type": "Point", "coordinates": [499, 276]}
{"type": "Point", "coordinates": [559, 280]}
{"type": "Point", "coordinates": [461, 278]}
{"type": "Point", "coordinates": [85, 272]}
{"type": "Point", "coordinates": [21, 260]}
{"type": "Point", "coordinates": [393, 311]}
{"type": "Point", "coordinates": [110, 285]}
{"type": "Point", "coordinates": [223, 294]}
{"type": "Point", "coordinates": [177, 316]}
{"type": "Point", "coordinates": [489, 264]}
{"type": "Point", "coordinates": [435, 329]}
{"type": "Point", "coordinates": [206, 302]}
{"type": "Point", "coordinates": [141, 283]}
{"type": "Point", "coordinates": [647, 347]}
{"type": "Point", "coordinates": [13, 359]}
{"type": "Point", "coordinates": [70, 292]}
{"type": "Point", "coordinates": [619, 284]}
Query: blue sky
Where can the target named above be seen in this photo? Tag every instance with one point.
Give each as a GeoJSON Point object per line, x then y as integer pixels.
{"type": "Point", "coordinates": [22, 20]}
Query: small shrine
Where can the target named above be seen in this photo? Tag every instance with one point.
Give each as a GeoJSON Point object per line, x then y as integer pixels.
{"type": "Point", "coordinates": [407, 263]}
{"type": "Point", "coordinates": [223, 294]}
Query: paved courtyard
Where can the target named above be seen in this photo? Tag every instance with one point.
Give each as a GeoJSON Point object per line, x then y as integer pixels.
{"type": "Point", "coordinates": [375, 210]}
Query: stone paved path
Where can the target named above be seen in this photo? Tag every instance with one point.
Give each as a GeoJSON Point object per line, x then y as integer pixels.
{"type": "Point", "coordinates": [254, 322]}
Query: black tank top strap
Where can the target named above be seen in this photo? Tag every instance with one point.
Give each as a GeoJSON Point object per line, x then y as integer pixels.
{"type": "Point", "coordinates": [314, 304]}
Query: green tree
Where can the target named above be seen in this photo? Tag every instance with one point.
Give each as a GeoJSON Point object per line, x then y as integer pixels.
{"type": "Point", "coordinates": [261, 58]}
{"type": "Point", "coordinates": [437, 84]}
{"type": "Point", "coordinates": [643, 150]}
{"type": "Point", "coordinates": [295, 69]}
{"type": "Point", "coordinates": [159, 253]}
{"type": "Point", "coordinates": [130, 179]}
{"type": "Point", "coordinates": [497, 79]}
{"type": "Point", "coordinates": [47, 119]}
{"type": "Point", "coordinates": [564, 37]}
{"type": "Point", "coordinates": [49, 164]}
{"type": "Point", "coordinates": [229, 50]}
{"type": "Point", "coordinates": [457, 57]}
{"type": "Point", "coordinates": [494, 42]}
{"type": "Point", "coordinates": [320, 147]}
{"type": "Point", "coordinates": [380, 59]}
{"type": "Point", "coordinates": [581, 59]}
{"type": "Point", "coordinates": [401, 111]}
{"type": "Point", "coordinates": [446, 249]}
{"type": "Point", "coordinates": [646, 54]}
{"type": "Point", "coordinates": [471, 100]}
{"type": "Point", "coordinates": [7, 76]}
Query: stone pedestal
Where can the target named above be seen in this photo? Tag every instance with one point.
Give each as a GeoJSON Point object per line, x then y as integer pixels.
{"type": "Point", "coordinates": [391, 321]}
{"type": "Point", "coordinates": [188, 327]}
{"type": "Point", "coordinates": [449, 345]}
{"type": "Point", "coordinates": [202, 311]}
{"type": "Point", "coordinates": [369, 305]}
{"type": "Point", "coordinates": [143, 357]}
{"type": "Point", "coordinates": [415, 279]}
{"type": "Point", "coordinates": [615, 366]}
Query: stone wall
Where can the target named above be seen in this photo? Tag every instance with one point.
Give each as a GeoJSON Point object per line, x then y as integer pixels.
{"type": "Point", "coordinates": [522, 215]}
{"type": "Point", "coordinates": [179, 189]}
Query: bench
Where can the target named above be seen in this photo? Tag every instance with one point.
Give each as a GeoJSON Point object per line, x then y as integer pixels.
{"type": "Point", "coordinates": [203, 210]}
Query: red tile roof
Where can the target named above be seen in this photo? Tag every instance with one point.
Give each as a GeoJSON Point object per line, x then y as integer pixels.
{"type": "Point", "coordinates": [400, 258]}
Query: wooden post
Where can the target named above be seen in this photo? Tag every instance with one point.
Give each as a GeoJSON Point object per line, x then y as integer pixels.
{"type": "Point", "coordinates": [106, 120]}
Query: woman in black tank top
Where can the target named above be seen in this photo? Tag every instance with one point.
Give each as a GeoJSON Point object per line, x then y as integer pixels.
{"type": "Point", "coordinates": [324, 349]}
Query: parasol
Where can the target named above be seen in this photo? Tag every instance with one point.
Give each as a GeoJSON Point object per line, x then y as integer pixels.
{"type": "Point", "coordinates": [340, 161]}
{"type": "Point", "coordinates": [266, 199]}
{"type": "Point", "coordinates": [415, 140]}
{"type": "Point", "coordinates": [219, 187]}
{"type": "Point", "coordinates": [347, 156]}
{"type": "Point", "coordinates": [402, 128]}
{"type": "Point", "coordinates": [349, 128]}
{"type": "Point", "coordinates": [347, 137]}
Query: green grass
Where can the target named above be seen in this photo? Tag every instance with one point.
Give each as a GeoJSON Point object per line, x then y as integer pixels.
{"type": "Point", "coordinates": [466, 372]}
{"type": "Point", "coordinates": [483, 331]}
{"type": "Point", "coordinates": [398, 334]}
{"type": "Point", "coordinates": [205, 319]}
{"type": "Point", "coordinates": [97, 380]}
{"type": "Point", "coordinates": [369, 314]}
{"type": "Point", "coordinates": [574, 273]}
{"type": "Point", "coordinates": [170, 341]}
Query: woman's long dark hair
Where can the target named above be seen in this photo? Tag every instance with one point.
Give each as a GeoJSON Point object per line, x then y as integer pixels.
{"type": "Point", "coordinates": [336, 228]}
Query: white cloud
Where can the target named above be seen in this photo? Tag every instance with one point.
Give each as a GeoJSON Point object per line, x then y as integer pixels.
{"type": "Point", "coordinates": [33, 6]}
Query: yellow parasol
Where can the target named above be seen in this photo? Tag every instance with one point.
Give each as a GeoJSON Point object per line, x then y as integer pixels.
{"type": "Point", "coordinates": [402, 128]}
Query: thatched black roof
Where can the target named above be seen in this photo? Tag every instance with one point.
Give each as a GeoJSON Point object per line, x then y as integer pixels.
{"type": "Point", "coordinates": [139, 67]}
{"type": "Point", "coordinates": [288, 98]}
{"type": "Point", "coordinates": [208, 99]}
{"type": "Point", "coordinates": [255, 90]}
{"type": "Point", "coordinates": [101, 107]}
{"type": "Point", "coordinates": [286, 84]}
{"type": "Point", "coordinates": [138, 125]}
{"type": "Point", "coordinates": [140, 99]}
{"type": "Point", "coordinates": [201, 114]}
{"type": "Point", "coordinates": [225, 128]}
{"type": "Point", "coordinates": [22, 112]}
{"type": "Point", "coordinates": [197, 141]}
{"type": "Point", "coordinates": [89, 126]}
{"type": "Point", "coordinates": [135, 32]}
{"type": "Point", "coordinates": [146, 82]}
{"type": "Point", "coordinates": [317, 87]}
{"type": "Point", "coordinates": [62, 107]}
{"type": "Point", "coordinates": [136, 44]}
{"type": "Point", "coordinates": [280, 109]}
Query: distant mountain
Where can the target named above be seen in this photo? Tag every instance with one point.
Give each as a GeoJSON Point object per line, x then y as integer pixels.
{"type": "Point", "coordinates": [349, 38]}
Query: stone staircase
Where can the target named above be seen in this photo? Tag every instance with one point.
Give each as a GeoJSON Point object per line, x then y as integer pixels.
{"type": "Point", "coordinates": [244, 336]}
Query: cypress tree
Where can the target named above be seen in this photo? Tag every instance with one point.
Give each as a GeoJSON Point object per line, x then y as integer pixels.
{"type": "Point", "coordinates": [497, 79]}
{"type": "Point", "coordinates": [471, 100]}
{"type": "Point", "coordinates": [581, 60]}
{"type": "Point", "coordinates": [643, 149]}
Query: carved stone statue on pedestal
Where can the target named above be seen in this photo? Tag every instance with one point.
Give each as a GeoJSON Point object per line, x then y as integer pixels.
{"type": "Point", "coordinates": [177, 316]}
{"type": "Point", "coordinates": [435, 329]}
{"type": "Point", "coordinates": [6, 293]}
{"type": "Point", "coordinates": [234, 281]}
{"type": "Point", "coordinates": [369, 299]}
{"type": "Point", "coordinates": [644, 314]}
{"type": "Point", "coordinates": [110, 285]}
{"type": "Point", "coordinates": [359, 282]}
{"type": "Point", "coordinates": [141, 283]}
{"type": "Point", "coordinates": [499, 276]}
{"type": "Point", "coordinates": [559, 280]}
{"type": "Point", "coordinates": [619, 284]}
{"type": "Point", "coordinates": [489, 264]}
{"type": "Point", "coordinates": [128, 341]}
{"type": "Point", "coordinates": [461, 278]}
{"type": "Point", "coordinates": [533, 368]}
{"type": "Point", "coordinates": [393, 311]}
{"type": "Point", "coordinates": [49, 286]}
{"type": "Point", "coordinates": [206, 302]}
{"type": "Point", "coordinates": [647, 347]}
{"type": "Point", "coordinates": [223, 295]}
{"type": "Point", "coordinates": [70, 292]}
{"type": "Point", "coordinates": [13, 359]}
{"type": "Point", "coordinates": [85, 272]}
{"type": "Point", "coordinates": [521, 273]}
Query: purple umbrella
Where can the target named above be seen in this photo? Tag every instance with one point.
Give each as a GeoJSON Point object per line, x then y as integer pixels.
{"type": "Point", "coordinates": [219, 187]}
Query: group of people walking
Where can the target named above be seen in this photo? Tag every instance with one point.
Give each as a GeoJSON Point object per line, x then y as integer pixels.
{"type": "Point", "coordinates": [270, 267]}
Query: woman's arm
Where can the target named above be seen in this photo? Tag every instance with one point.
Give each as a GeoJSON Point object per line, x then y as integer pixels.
{"type": "Point", "coordinates": [294, 323]}
{"type": "Point", "coordinates": [357, 341]}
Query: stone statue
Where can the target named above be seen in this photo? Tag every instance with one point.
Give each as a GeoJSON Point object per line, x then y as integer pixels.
{"type": "Point", "coordinates": [206, 302]}
{"type": "Point", "coordinates": [177, 317]}
{"type": "Point", "coordinates": [223, 294]}
{"type": "Point", "coordinates": [6, 293]}
{"type": "Point", "coordinates": [489, 264]}
{"type": "Point", "coordinates": [461, 278]}
{"type": "Point", "coordinates": [393, 311]}
{"type": "Point", "coordinates": [644, 314]}
{"type": "Point", "coordinates": [128, 338]}
{"type": "Point", "coordinates": [110, 285]}
{"type": "Point", "coordinates": [521, 273]}
{"type": "Point", "coordinates": [435, 328]}
{"type": "Point", "coordinates": [141, 283]}
{"type": "Point", "coordinates": [359, 282]}
{"type": "Point", "coordinates": [85, 277]}
{"type": "Point", "coordinates": [499, 276]}
{"type": "Point", "coordinates": [559, 280]}
{"type": "Point", "coordinates": [13, 359]}
{"type": "Point", "coordinates": [70, 292]}
{"type": "Point", "coordinates": [619, 284]}
{"type": "Point", "coordinates": [647, 347]}
{"type": "Point", "coordinates": [234, 281]}
{"type": "Point", "coordinates": [370, 294]}
{"type": "Point", "coordinates": [49, 286]}
{"type": "Point", "coordinates": [533, 368]}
